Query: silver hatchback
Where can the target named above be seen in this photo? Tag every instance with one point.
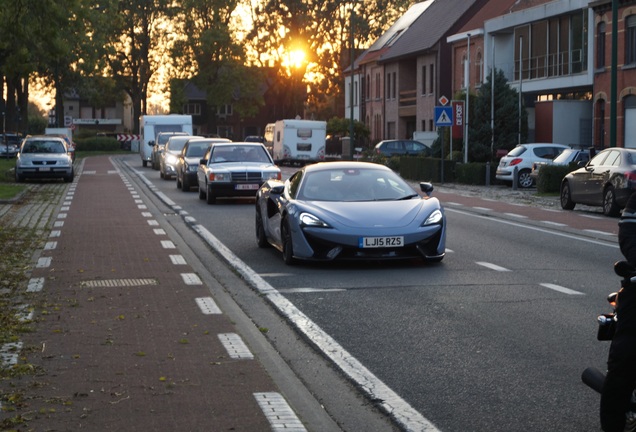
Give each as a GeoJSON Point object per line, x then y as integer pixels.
{"type": "Point", "coordinates": [44, 157]}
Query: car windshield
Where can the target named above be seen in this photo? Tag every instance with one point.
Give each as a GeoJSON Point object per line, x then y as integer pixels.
{"type": "Point", "coordinates": [517, 151]}
{"type": "Point", "coordinates": [354, 184]}
{"type": "Point", "coordinates": [197, 149]}
{"type": "Point", "coordinates": [43, 147]}
{"type": "Point", "coordinates": [239, 153]}
{"type": "Point", "coordinates": [565, 156]}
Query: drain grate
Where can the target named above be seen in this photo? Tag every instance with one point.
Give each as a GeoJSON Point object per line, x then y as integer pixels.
{"type": "Point", "coordinates": [114, 283]}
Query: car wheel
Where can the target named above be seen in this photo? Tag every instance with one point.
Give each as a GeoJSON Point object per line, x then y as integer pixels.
{"type": "Point", "coordinates": [209, 197]}
{"type": "Point", "coordinates": [69, 178]}
{"type": "Point", "coordinates": [286, 237]}
{"type": "Point", "coordinates": [161, 175]}
{"type": "Point", "coordinates": [261, 238]}
{"type": "Point", "coordinates": [19, 178]}
{"type": "Point", "coordinates": [566, 197]}
{"type": "Point", "coordinates": [610, 207]}
{"type": "Point", "coordinates": [144, 163]}
{"type": "Point", "coordinates": [524, 180]}
{"type": "Point", "coordinates": [202, 193]}
{"type": "Point", "coordinates": [178, 182]}
{"type": "Point", "coordinates": [185, 185]}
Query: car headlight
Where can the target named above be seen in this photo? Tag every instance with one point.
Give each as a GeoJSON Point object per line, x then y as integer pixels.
{"type": "Point", "coordinates": [219, 177]}
{"type": "Point", "coordinates": [171, 159]}
{"type": "Point", "coordinates": [434, 218]}
{"type": "Point", "coordinates": [307, 219]}
{"type": "Point", "coordinates": [272, 176]}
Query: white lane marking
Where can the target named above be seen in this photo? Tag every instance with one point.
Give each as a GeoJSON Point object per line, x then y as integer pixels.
{"type": "Point", "coordinates": [516, 215]}
{"type": "Point", "coordinates": [208, 306]}
{"type": "Point", "coordinates": [191, 279]}
{"type": "Point", "coordinates": [43, 262]}
{"type": "Point", "coordinates": [275, 274]}
{"type": "Point", "coordinates": [153, 222]}
{"type": "Point", "coordinates": [58, 224]}
{"type": "Point", "coordinates": [278, 412]}
{"type": "Point", "coordinates": [310, 290]}
{"type": "Point", "coordinates": [62, 215]}
{"type": "Point", "coordinates": [482, 208]}
{"type": "Point", "coordinates": [590, 216]}
{"type": "Point", "coordinates": [55, 233]}
{"type": "Point", "coordinates": [492, 266]}
{"type": "Point", "coordinates": [65, 208]}
{"type": "Point", "coordinates": [167, 244]}
{"type": "Point", "coordinates": [142, 206]}
{"type": "Point", "coordinates": [554, 223]}
{"type": "Point", "coordinates": [35, 284]}
{"type": "Point", "coordinates": [561, 289]}
{"type": "Point", "coordinates": [534, 228]}
{"type": "Point", "coordinates": [388, 401]}
{"type": "Point", "coordinates": [50, 245]}
{"type": "Point", "coordinates": [177, 260]}
{"type": "Point", "coordinates": [9, 353]}
{"type": "Point", "coordinates": [159, 231]}
{"type": "Point", "coordinates": [235, 346]}
{"type": "Point", "coordinates": [453, 203]}
{"type": "Point", "coordinates": [146, 214]}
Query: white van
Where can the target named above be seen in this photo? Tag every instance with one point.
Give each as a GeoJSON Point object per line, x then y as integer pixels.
{"type": "Point", "coordinates": [299, 141]}
{"type": "Point", "coordinates": [151, 125]}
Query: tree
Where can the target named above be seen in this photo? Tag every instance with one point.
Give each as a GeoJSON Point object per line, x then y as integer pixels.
{"type": "Point", "coordinates": [506, 120]}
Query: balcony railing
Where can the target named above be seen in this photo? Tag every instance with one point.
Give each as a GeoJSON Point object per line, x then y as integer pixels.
{"type": "Point", "coordinates": [552, 65]}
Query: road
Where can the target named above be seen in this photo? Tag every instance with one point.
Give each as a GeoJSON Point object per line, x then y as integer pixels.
{"type": "Point", "coordinates": [494, 338]}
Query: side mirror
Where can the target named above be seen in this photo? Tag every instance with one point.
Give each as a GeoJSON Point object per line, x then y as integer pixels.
{"type": "Point", "coordinates": [151, 143]}
{"type": "Point", "coordinates": [426, 187]}
{"type": "Point", "coordinates": [203, 161]}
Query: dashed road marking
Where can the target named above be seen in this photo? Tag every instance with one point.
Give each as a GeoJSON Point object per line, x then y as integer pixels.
{"type": "Point", "coordinates": [554, 223]}
{"type": "Point", "coordinates": [177, 260]}
{"type": "Point", "coordinates": [191, 279]}
{"type": "Point", "coordinates": [43, 262]}
{"type": "Point", "coordinates": [492, 266]}
{"type": "Point", "coordinates": [235, 346]}
{"type": "Point", "coordinates": [153, 222]}
{"type": "Point", "coordinates": [208, 306]}
{"type": "Point", "coordinates": [50, 245]}
{"type": "Point", "coordinates": [309, 290]}
{"type": "Point", "coordinates": [35, 284]}
{"type": "Point", "coordinates": [167, 244]}
{"type": "Point", "coordinates": [9, 353]}
{"type": "Point", "coordinates": [278, 412]}
{"type": "Point", "coordinates": [516, 215]}
{"type": "Point", "coordinates": [159, 231]}
{"type": "Point", "coordinates": [146, 214]}
{"type": "Point", "coordinates": [482, 208]}
{"type": "Point", "coordinates": [561, 289]}
{"type": "Point", "coordinates": [599, 232]}
{"type": "Point", "coordinates": [55, 233]}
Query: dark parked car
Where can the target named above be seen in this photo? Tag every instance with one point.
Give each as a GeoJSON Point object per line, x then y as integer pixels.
{"type": "Point", "coordinates": [189, 158]}
{"type": "Point", "coordinates": [607, 180]}
{"type": "Point", "coordinates": [402, 148]}
{"type": "Point", "coordinates": [9, 144]}
{"type": "Point", "coordinates": [234, 170]}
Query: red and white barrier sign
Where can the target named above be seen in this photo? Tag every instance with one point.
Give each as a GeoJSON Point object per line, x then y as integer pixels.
{"type": "Point", "coordinates": [127, 137]}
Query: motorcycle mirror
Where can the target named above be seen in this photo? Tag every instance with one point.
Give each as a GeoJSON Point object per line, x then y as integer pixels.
{"type": "Point", "coordinates": [623, 269]}
{"type": "Point", "coordinates": [611, 299]}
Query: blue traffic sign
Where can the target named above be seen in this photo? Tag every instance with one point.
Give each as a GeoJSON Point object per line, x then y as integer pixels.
{"type": "Point", "coordinates": [443, 116]}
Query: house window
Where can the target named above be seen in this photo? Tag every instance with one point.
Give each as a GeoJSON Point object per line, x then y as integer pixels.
{"type": "Point", "coordinates": [630, 40]}
{"type": "Point", "coordinates": [394, 85]}
{"type": "Point", "coordinates": [600, 45]}
{"type": "Point", "coordinates": [192, 109]}
{"type": "Point", "coordinates": [431, 89]}
{"type": "Point", "coordinates": [388, 86]}
{"type": "Point", "coordinates": [479, 73]}
{"type": "Point", "coordinates": [423, 80]}
{"type": "Point", "coordinates": [377, 86]}
{"type": "Point", "coordinates": [424, 125]}
{"type": "Point", "coordinates": [224, 110]}
{"type": "Point", "coordinates": [368, 87]}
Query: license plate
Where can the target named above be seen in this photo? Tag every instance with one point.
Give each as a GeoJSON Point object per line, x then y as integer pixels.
{"type": "Point", "coordinates": [380, 242]}
{"type": "Point", "coordinates": [246, 187]}
{"type": "Point", "coordinates": [45, 169]}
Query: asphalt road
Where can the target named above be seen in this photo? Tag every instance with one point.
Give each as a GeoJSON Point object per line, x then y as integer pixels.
{"type": "Point", "coordinates": [494, 338]}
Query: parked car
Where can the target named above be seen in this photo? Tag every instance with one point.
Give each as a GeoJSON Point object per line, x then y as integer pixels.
{"type": "Point", "coordinates": [254, 138]}
{"type": "Point", "coordinates": [234, 170]}
{"type": "Point", "coordinates": [170, 155]}
{"type": "Point", "coordinates": [349, 211]}
{"type": "Point", "coordinates": [572, 155]}
{"type": "Point", "coordinates": [402, 148]}
{"type": "Point", "coordinates": [522, 157]}
{"type": "Point", "coordinates": [9, 145]}
{"type": "Point", "coordinates": [607, 180]}
{"type": "Point", "coordinates": [43, 157]}
{"type": "Point", "coordinates": [160, 142]}
{"type": "Point", "coordinates": [189, 160]}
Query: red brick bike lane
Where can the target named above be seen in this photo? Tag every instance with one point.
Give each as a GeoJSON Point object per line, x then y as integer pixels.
{"type": "Point", "coordinates": [126, 336]}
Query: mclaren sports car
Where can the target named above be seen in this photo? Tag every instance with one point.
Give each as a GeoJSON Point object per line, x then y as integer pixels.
{"type": "Point", "coordinates": [349, 211]}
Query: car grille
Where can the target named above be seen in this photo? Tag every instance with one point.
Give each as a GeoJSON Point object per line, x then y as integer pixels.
{"type": "Point", "coordinates": [246, 177]}
{"type": "Point", "coordinates": [46, 162]}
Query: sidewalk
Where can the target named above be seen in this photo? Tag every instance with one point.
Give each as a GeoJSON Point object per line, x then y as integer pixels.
{"type": "Point", "coordinates": [127, 336]}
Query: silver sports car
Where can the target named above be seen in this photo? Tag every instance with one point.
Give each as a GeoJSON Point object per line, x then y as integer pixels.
{"type": "Point", "coordinates": [349, 211]}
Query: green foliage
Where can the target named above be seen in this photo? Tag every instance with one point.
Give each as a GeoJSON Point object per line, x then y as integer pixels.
{"type": "Point", "coordinates": [426, 169]}
{"type": "Point", "coordinates": [94, 144]}
{"type": "Point", "coordinates": [506, 120]}
{"type": "Point", "coordinates": [550, 176]}
{"type": "Point", "coordinates": [340, 126]}
{"type": "Point", "coordinates": [473, 173]}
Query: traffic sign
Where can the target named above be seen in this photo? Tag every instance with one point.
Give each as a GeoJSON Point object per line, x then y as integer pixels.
{"type": "Point", "coordinates": [443, 116]}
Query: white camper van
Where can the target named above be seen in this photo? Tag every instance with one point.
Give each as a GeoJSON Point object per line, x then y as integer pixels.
{"type": "Point", "coordinates": [151, 125]}
{"type": "Point", "coordinates": [299, 141]}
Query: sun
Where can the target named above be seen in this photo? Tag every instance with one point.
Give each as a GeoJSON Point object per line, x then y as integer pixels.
{"type": "Point", "coordinates": [296, 58]}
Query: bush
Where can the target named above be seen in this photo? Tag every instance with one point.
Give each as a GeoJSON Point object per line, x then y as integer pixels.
{"type": "Point", "coordinates": [550, 176]}
{"type": "Point", "coordinates": [426, 169]}
{"type": "Point", "coordinates": [97, 144]}
{"type": "Point", "coordinates": [473, 173]}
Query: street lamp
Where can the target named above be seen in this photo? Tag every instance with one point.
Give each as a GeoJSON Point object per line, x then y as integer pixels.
{"type": "Point", "coordinates": [467, 99]}
{"type": "Point", "coordinates": [352, 54]}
